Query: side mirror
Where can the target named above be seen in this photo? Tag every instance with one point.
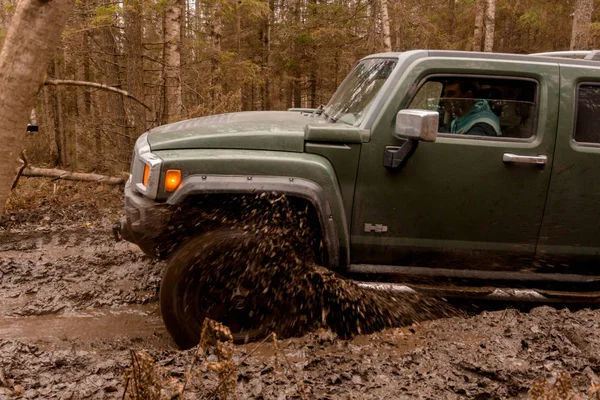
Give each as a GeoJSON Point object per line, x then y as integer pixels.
{"type": "Point", "coordinates": [417, 124]}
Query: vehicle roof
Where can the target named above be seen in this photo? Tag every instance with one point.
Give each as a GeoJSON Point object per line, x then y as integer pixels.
{"type": "Point", "coordinates": [491, 56]}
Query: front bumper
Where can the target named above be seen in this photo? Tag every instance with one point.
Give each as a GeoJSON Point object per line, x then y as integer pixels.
{"type": "Point", "coordinates": [146, 222]}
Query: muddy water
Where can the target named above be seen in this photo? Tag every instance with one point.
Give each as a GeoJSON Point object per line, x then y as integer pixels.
{"type": "Point", "coordinates": [73, 304]}
{"type": "Point", "coordinates": [131, 321]}
{"type": "Point", "coordinates": [71, 283]}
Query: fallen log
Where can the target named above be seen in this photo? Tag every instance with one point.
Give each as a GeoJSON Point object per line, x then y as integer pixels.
{"type": "Point", "coordinates": [72, 176]}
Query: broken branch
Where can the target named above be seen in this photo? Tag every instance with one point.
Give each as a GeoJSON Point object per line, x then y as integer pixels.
{"type": "Point", "coordinates": [57, 82]}
{"type": "Point", "coordinates": [24, 165]}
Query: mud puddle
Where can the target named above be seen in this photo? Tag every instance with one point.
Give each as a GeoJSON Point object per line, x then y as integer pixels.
{"type": "Point", "coordinates": [133, 321]}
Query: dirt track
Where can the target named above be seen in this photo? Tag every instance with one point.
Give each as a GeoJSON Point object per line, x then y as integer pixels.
{"type": "Point", "coordinates": [73, 304]}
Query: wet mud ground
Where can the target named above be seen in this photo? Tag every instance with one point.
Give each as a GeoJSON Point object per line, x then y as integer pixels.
{"type": "Point", "coordinates": [73, 304]}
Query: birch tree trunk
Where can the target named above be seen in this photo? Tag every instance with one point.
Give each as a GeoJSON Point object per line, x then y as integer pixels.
{"type": "Point", "coordinates": [268, 56]}
{"type": "Point", "coordinates": [490, 25]}
{"type": "Point", "coordinates": [172, 61]}
{"type": "Point", "coordinates": [582, 18]}
{"type": "Point", "coordinates": [477, 33]}
{"type": "Point", "coordinates": [33, 35]}
{"type": "Point", "coordinates": [297, 72]}
{"type": "Point", "coordinates": [385, 23]}
{"type": "Point", "coordinates": [314, 62]}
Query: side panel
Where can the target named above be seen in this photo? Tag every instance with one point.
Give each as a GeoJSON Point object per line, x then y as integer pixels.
{"type": "Point", "coordinates": [257, 166]}
{"type": "Point", "coordinates": [344, 159]}
{"type": "Point", "coordinates": [455, 204]}
{"type": "Point", "coordinates": [570, 235]}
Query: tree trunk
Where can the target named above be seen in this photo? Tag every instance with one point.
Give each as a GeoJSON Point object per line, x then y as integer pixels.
{"type": "Point", "coordinates": [49, 123]}
{"type": "Point", "coordinates": [289, 100]}
{"type": "Point", "coordinates": [215, 32]}
{"type": "Point", "coordinates": [490, 25]}
{"type": "Point", "coordinates": [477, 33]}
{"type": "Point", "coordinates": [172, 61]}
{"type": "Point", "coordinates": [385, 23]}
{"type": "Point", "coordinates": [297, 87]}
{"type": "Point", "coordinates": [451, 17]}
{"type": "Point", "coordinates": [270, 20]}
{"type": "Point", "coordinates": [136, 116]}
{"type": "Point", "coordinates": [57, 115]}
{"type": "Point", "coordinates": [115, 104]}
{"type": "Point", "coordinates": [372, 26]}
{"type": "Point", "coordinates": [314, 54]}
{"type": "Point", "coordinates": [582, 18]}
{"type": "Point", "coordinates": [83, 107]}
{"type": "Point", "coordinates": [33, 35]}
{"type": "Point", "coordinates": [298, 56]}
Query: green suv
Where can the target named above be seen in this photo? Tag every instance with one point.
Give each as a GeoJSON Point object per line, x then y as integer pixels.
{"type": "Point", "coordinates": [459, 173]}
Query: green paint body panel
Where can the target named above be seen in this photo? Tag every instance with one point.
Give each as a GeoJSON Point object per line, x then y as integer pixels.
{"type": "Point", "coordinates": [455, 203]}
{"type": "Point", "coordinates": [570, 235]}
{"type": "Point", "coordinates": [260, 130]}
{"type": "Point", "coordinates": [250, 163]}
{"type": "Point", "coordinates": [344, 159]}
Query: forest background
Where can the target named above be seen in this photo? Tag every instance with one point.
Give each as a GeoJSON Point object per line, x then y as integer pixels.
{"type": "Point", "coordinates": [181, 59]}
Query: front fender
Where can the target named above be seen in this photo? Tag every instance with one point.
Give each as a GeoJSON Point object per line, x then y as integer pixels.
{"type": "Point", "coordinates": [308, 176]}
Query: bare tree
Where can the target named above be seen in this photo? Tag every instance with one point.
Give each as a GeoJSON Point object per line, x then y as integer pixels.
{"type": "Point", "coordinates": [268, 55]}
{"type": "Point", "coordinates": [215, 33]}
{"type": "Point", "coordinates": [134, 67]}
{"type": "Point", "coordinates": [385, 22]}
{"type": "Point", "coordinates": [582, 18]}
{"type": "Point", "coordinates": [172, 61]}
{"type": "Point", "coordinates": [478, 32]}
{"type": "Point", "coordinates": [33, 35]}
{"type": "Point", "coordinates": [490, 24]}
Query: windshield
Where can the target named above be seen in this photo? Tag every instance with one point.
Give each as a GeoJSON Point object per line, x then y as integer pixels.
{"type": "Point", "coordinates": [353, 98]}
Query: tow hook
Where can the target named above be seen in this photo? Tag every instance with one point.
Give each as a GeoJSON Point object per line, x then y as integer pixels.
{"type": "Point", "coordinates": [116, 229]}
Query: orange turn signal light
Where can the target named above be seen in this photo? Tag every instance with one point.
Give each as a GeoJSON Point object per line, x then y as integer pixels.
{"type": "Point", "coordinates": [146, 174]}
{"type": "Point", "coordinates": [172, 179]}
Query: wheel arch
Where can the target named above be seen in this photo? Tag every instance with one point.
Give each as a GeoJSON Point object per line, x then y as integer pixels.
{"type": "Point", "coordinates": [332, 221]}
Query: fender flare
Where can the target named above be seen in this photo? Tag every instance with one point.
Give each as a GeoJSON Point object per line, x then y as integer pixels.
{"type": "Point", "coordinates": [292, 186]}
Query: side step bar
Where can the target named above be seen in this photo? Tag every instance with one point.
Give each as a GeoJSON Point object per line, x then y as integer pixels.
{"type": "Point", "coordinates": [486, 293]}
{"type": "Point", "coordinates": [436, 273]}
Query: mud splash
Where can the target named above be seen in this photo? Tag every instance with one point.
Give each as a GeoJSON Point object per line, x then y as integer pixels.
{"type": "Point", "coordinates": [268, 246]}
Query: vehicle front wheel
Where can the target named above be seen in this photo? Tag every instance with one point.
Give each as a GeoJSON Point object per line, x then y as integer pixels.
{"type": "Point", "coordinates": [217, 275]}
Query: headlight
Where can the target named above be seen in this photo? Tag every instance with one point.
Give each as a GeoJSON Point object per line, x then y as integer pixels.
{"type": "Point", "coordinates": [145, 168]}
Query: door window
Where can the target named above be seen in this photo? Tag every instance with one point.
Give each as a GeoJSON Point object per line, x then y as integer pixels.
{"type": "Point", "coordinates": [480, 107]}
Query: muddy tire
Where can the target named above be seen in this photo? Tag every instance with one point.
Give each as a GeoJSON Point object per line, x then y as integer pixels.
{"type": "Point", "coordinates": [211, 276]}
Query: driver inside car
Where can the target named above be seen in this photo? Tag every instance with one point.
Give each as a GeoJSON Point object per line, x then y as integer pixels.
{"type": "Point", "coordinates": [471, 116]}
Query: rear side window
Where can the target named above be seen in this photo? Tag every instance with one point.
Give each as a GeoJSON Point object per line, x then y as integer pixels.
{"type": "Point", "coordinates": [587, 128]}
{"type": "Point", "coordinates": [480, 107]}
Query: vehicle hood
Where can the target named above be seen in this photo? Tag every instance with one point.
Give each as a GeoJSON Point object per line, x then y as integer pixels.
{"type": "Point", "coordinates": [257, 130]}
